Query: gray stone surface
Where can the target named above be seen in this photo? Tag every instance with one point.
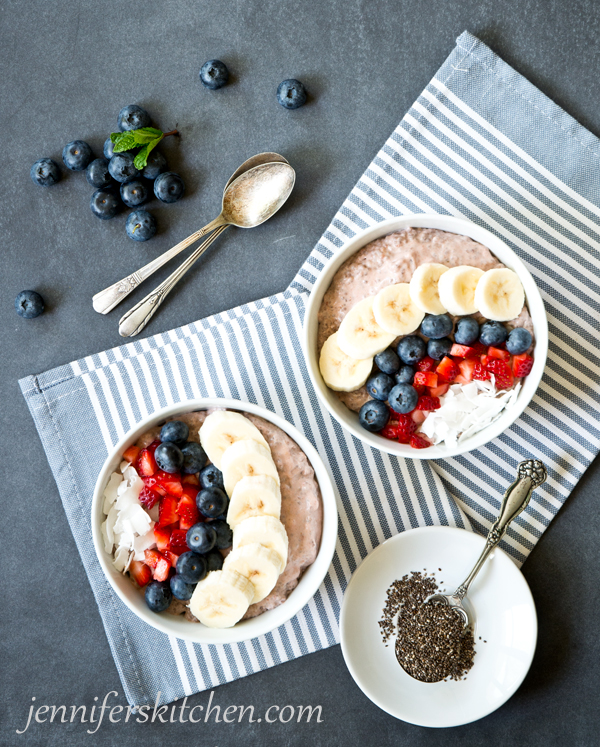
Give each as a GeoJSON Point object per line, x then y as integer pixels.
{"type": "Point", "coordinates": [66, 69]}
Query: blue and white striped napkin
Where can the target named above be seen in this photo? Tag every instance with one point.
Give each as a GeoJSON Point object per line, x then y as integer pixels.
{"type": "Point", "coordinates": [481, 143]}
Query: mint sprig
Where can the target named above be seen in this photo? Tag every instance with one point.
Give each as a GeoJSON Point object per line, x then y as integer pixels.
{"type": "Point", "coordinates": [146, 139]}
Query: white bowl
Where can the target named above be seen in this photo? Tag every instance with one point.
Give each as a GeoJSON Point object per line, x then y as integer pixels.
{"type": "Point", "coordinates": [503, 612]}
{"type": "Point", "coordinates": [177, 625]}
{"type": "Point", "coordinates": [349, 419]}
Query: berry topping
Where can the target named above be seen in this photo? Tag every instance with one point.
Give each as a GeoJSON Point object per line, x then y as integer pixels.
{"type": "Point", "coordinates": [159, 564]}
{"type": "Point", "coordinates": [146, 464]}
{"type": "Point", "coordinates": [411, 349]}
{"type": "Point", "coordinates": [148, 497]}
{"type": "Point", "coordinates": [167, 512]}
{"type": "Point", "coordinates": [170, 483]}
{"type": "Point", "coordinates": [162, 536]}
{"type": "Point", "coordinates": [436, 326]}
{"type": "Point", "coordinates": [224, 534]}
{"type": "Point", "coordinates": [175, 431]}
{"type": "Point", "coordinates": [502, 355]}
{"type": "Point", "coordinates": [522, 365]}
{"type": "Point", "coordinates": [480, 372]}
{"type": "Point", "coordinates": [380, 385]}
{"type": "Point", "coordinates": [492, 333]}
{"type": "Point", "coordinates": [417, 441]}
{"type": "Point", "coordinates": [467, 331]}
{"type": "Point", "coordinates": [373, 415]}
{"type": "Point", "coordinates": [131, 454]}
{"type": "Point", "coordinates": [437, 349]}
{"type": "Point", "coordinates": [201, 538]}
{"type": "Point", "coordinates": [211, 477]}
{"type": "Point", "coordinates": [502, 372]}
{"type": "Point", "coordinates": [212, 502]}
{"type": "Point", "coordinates": [428, 403]}
{"type": "Point", "coordinates": [180, 588]}
{"type": "Point", "coordinates": [405, 428]}
{"type": "Point", "coordinates": [466, 368]}
{"type": "Point", "coordinates": [191, 567]}
{"type": "Point", "coordinates": [388, 362]}
{"type": "Point", "coordinates": [462, 351]}
{"type": "Point", "coordinates": [427, 364]}
{"type": "Point", "coordinates": [447, 370]}
{"type": "Point", "coordinates": [158, 596]}
{"type": "Point", "coordinates": [140, 572]}
{"type": "Point", "coordinates": [426, 378]}
{"type": "Point", "coordinates": [169, 457]}
{"type": "Point", "coordinates": [519, 340]}
{"type": "Point", "coordinates": [177, 542]}
{"type": "Point", "coordinates": [194, 457]}
{"type": "Point", "coordinates": [403, 398]}
{"type": "Point", "coordinates": [187, 509]}
{"type": "Point", "coordinates": [406, 375]}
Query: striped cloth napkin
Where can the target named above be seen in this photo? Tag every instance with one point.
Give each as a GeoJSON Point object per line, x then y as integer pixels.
{"type": "Point", "coordinates": [481, 143]}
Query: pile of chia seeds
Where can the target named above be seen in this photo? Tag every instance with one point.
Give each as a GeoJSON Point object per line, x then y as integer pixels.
{"type": "Point", "coordinates": [432, 643]}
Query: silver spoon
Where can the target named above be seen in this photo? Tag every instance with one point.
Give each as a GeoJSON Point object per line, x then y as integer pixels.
{"type": "Point", "coordinates": [107, 299]}
{"type": "Point", "coordinates": [251, 199]}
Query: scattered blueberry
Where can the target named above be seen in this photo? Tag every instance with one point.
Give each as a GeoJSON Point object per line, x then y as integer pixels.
{"type": "Point", "coordinates": [191, 567]}
{"type": "Point", "coordinates": [140, 225]}
{"type": "Point", "coordinates": [379, 386]}
{"type": "Point", "coordinates": [211, 477]}
{"type": "Point", "coordinates": [405, 375]}
{"type": "Point", "coordinates": [134, 193]}
{"type": "Point", "coordinates": [214, 560]}
{"type": "Point", "coordinates": [201, 537]}
{"type": "Point", "coordinates": [194, 458]}
{"type": "Point", "coordinates": [121, 167]}
{"type": "Point", "coordinates": [169, 457]}
{"type": "Point", "coordinates": [77, 155]}
{"type": "Point", "coordinates": [436, 326]}
{"type": "Point", "coordinates": [437, 349]}
{"type": "Point", "coordinates": [97, 173]}
{"type": "Point", "coordinates": [374, 415]}
{"type": "Point", "coordinates": [492, 333]}
{"type": "Point", "coordinates": [411, 349]}
{"type": "Point", "coordinates": [291, 94]}
{"type": "Point", "coordinates": [214, 74]}
{"type": "Point", "coordinates": [212, 502]}
{"type": "Point", "coordinates": [175, 431]}
{"type": "Point", "coordinates": [403, 398]}
{"type": "Point", "coordinates": [224, 533]}
{"type": "Point", "coordinates": [45, 172]}
{"type": "Point", "coordinates": [518, 341]}
{"type": "Point", "coordinates": [133, 117]}
{"type": "Point", "coordinates": [155, 165]}
{"type": "Point", "coordinates": [180, 588]}
{"type": "Point", "coordinates": [168, 187]}
{"type": "Point", "coordinates": [388, 361]}
{"type": "Point", "coordinates": [109, 148]}
{"type": "Point", "coordinates": [29, 304]}
{"type": "Point", "coordinates": [105, 204]}
{"type": "Point", "coordinates": [158, 595]}
{"type": "Point", "coordinates": [467, 331]}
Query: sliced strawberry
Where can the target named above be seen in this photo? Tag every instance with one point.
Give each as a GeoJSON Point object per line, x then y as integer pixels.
{"type": "Point", "coordinates": [484, 359]}
{"type": "Point", "coordinates": [162, 535]}
{"type": "Point", "coordinates": [131, 454]}
{"type": "Point", "coordinates": [426, 364]}
{"type": "Point", "coordinates": [167, 512]}
{"type": "Point", "coordinates": [190, 480]}
{"type": "Point", "coordinates": [159, 564]}
{"type": "Point", "coordinates": [186, 508]}
{"type": "Point", "coordinates": [419, 388]}
{"type": "Point", "coordinates": [146, 464]}
{"type": "Point", "coordinates": [447, 369]}
{"type": "Point", "coordinates": [140, 572]}
{"type": "Point", "coordinates": [390, 430]}
{"type": "Point", "coordinates": [466, 368]}
{"type": "Point", "coordinates": [406, 427]}
{"type": "Point", "coordinates": [171, 557]}
{"type": "Point", "coordinates": [478, 349]}
{"type": "Point", "coordinates": [480, 373]}
{"type": "Point", "coordinates": [522, 365]}
{"type": "Point", "coordinates": [419, 416]}
{"type": "Point", "coordinates": [177, 543]}
{"type": "Point", "coordinates": [461, 351]}
{"type": "Point", "coordinates": [503, 355]}
{"type": "Point", "coordinates": [417, 441]}
{"type": "Point", "coordinates": [440, 390]}
{"type": "Point", "coordinates": [171, 483]}
{"type": "Point", "coordinates": [426, 378]}
{"type": "Point", "coordinates": [428, 403]}
{"type": "Point", "coordinates": [152, 483]}
{"type": "Point", "coordinates": [502, 371]}
{"type": "Point", "coordinates": [148, 497]}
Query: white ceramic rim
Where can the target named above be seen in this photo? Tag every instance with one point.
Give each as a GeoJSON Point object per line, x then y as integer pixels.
{"type": "Point", "coordinates": [177, 625]}
{"type": "Point", "coordinates": [504, 253]}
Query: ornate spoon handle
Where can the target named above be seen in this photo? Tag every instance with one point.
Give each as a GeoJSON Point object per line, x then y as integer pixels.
{"type": "Point", "coordinates": [134, 321]}
{"type": "Point", "coordinates": [107, 299]}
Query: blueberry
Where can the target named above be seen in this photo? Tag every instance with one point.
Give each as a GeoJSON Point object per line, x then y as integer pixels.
{"type": "Point", "coordinates": [97, 173]}
{"type": "Point", "coordinates": [134, 193]}
{"type": "Point", "coordinates": [121, 167]}
{"type": "Point", "coordinates": [379, 386]}
{"type": "Point", "coordinates": [519, 340]}
{"type": "Point", "coordinates": [140, 225]}
{"type": "Point", "coordinates": [168, 187]}
{"type": "Point", "coordinates": [436, 326]}
{"type": "Point", "coordinates": [194, 458]}
{"type": "Point", "coordinates": [388, 361]}
{"type": "Point", "coordinates": [45, 172]}
{"type": "Point", "coordinates": [214, 560]}
{"type": "Point", "coordinates": [180, 588]}
{"type": "Point", "coordinates": [411, 349]}
{"type": "Point", "coordinates": [405, 375]}
{"type": "Point", "coordinates": [158, 595]}
{"type": "Point", "coordinates": [467, 331]}
{"type": "Point", "coordinates": [133, 117]}
{"type": "Point", "coordinates": [403, 398]}
{"type": "Point", "coordinates": [155, 165]}
{"type": "Point", "coordinates": [291, 94]}
{"type": "Point", "coordinates": [437, 349]}
{"type": "Point", "coordinates": [77, 155]}
{"type": "Point", "coordinates": [201, 537]}
{"type": "Point", "coordinates": [211, 477]}
{"type": "Point", "coordinates": [373, 415]}
{"type": "Point", "coordinates": [212, 502]}
{"type": "Point", "coordinates": [29, 304]}
{"type": "Point", "coordinates": [105, 204]}
{"type": "Point", "coordinates": [224, 533]}
{"type": "Point", "coordinates": [214, 74]}
{"type": "Point", "coordinates": [169, 457]}
{"type": "Point", "coordinates": [175, 431]}
{"type": "Point", "coordinates": [191, 567]}
{"type": "Point", "coordinates": [109, 148]}
{"type": "Point", "coordinates": [492, 333]}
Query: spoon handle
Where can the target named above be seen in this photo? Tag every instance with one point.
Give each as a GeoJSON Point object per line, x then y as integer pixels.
{"type": "Point", "coordinates": [107, 299]}
{"type": "Point", "coordinates": [531, 474]}
{"type": "Point", "coordinates": [134, 321]}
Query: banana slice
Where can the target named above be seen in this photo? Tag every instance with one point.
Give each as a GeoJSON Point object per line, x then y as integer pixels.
{"type": "Point", "coordinates": [456, 289]}
{"type": "Point", "coordinates": [258, 564]}
{"type": "Point", "coordinates": [424, 287]}
{"type": "Point", "coordinates": [223, 428]}
{"type": "Point", "coordinates": [222, 598]}
{"type": "Point", "coordinates": [340, 372]}
{"type": "Point", "coordinates": [359, 335]}
{"type": "Point", "coordinates": [500, 295]}
{"type": "Point", "coordinates": [245, 459]}
{"type": "Point", "coordinates": [267, 531]}
{"type": "Point", "coordinates": [395, 311]}
{"type": "Point", "coordinates": [257, 495]}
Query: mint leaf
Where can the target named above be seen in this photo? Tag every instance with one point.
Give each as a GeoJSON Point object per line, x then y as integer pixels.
{"type": "Point", "coordinates": [134, 138]}
{"type": "Point", "coordinates": [141, 158]}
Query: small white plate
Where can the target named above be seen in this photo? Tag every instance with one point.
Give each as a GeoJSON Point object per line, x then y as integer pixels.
{"type": "Point", "coordinates": [504, 616]}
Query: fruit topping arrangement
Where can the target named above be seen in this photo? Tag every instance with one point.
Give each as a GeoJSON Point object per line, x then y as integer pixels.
{"type": "Point", "coordinates": [170, 513]}
{"type": "Point", "coordinates": [434, 372]}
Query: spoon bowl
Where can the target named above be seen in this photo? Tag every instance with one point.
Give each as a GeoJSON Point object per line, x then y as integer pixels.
{"type": "Point", "coordinates": [257, 194]}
